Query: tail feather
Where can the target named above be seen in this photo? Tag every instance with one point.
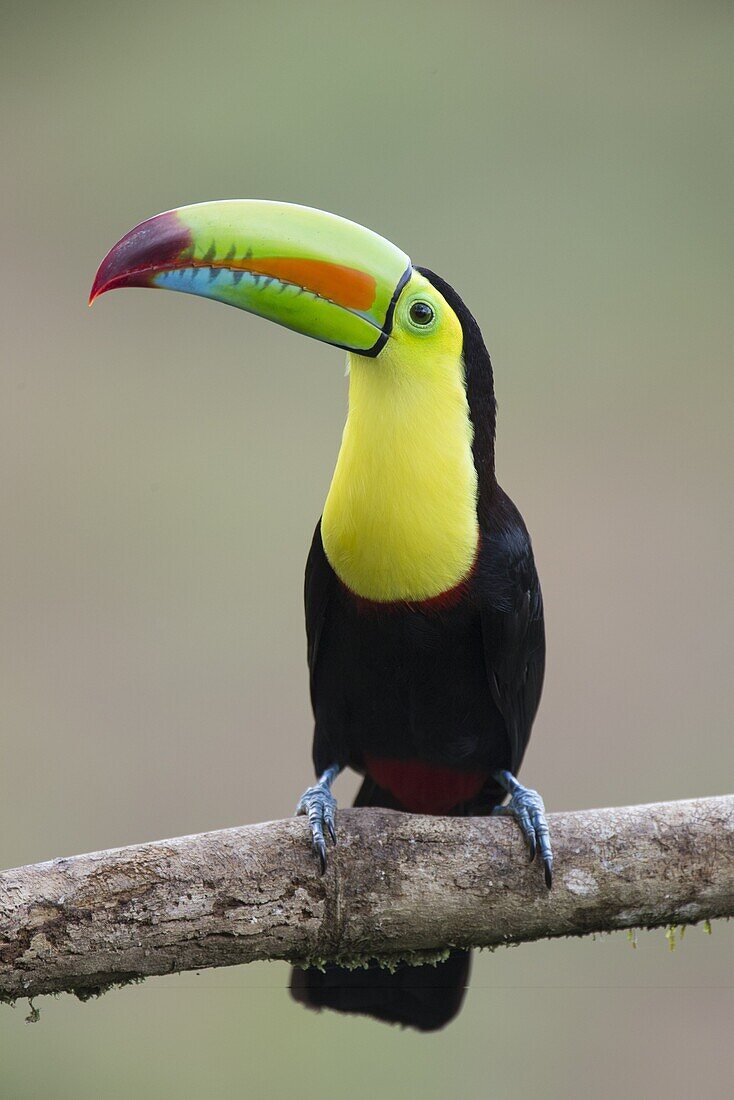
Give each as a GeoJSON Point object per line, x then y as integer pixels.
{"type": "Point", "coordinates": [425, 997]}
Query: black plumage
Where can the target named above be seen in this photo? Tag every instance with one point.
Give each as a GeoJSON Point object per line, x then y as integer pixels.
{"type": "Point", "coordinates": [453, 683]}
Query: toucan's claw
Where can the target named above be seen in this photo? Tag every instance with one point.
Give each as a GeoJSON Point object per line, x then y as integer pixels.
{"type": "Point", "coordinates": [319, 805]}
{"type": "Point", "coordinates": [527, 807]}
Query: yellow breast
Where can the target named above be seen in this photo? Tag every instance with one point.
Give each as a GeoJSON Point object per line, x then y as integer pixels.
{"type": "Point", "coordinates": [400, 519]}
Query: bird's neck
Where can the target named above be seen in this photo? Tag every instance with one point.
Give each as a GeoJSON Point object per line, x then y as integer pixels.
{"type": "Point", "coordinates": [400, 519]}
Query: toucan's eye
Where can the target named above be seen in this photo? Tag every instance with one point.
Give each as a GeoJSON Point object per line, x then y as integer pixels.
{"type": "Point", "coordinates": [421, 313]}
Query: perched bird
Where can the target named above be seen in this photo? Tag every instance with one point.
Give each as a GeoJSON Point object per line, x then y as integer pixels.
{"type": "Point", "coordinates": [424, 616]}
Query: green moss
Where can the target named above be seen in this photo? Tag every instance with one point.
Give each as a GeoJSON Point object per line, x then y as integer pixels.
{"type": "Point", "coordinates": [92, 991]}
{"type": "Point", "coordinates": [387, 962]}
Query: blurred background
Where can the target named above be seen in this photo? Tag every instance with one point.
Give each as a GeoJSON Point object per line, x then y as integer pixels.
{"type": "Point", "coordinates": [568, 167]}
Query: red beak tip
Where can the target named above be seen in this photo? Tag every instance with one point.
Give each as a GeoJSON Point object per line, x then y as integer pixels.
{"type": "Point", "coordinates": [95, 291]}
{"type": "Point", "coordinates": [99, 286]}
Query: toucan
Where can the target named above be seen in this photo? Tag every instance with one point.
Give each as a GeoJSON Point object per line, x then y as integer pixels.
{"type": "Point", "coordinates": [424, 615]}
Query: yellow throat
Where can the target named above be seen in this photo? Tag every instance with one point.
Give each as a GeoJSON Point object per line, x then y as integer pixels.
{"type": "Point", "coordinates": [400, 519]}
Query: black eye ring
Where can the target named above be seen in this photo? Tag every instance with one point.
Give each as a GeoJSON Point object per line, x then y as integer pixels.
{"type": "Point", "coordinates": [421, 313]}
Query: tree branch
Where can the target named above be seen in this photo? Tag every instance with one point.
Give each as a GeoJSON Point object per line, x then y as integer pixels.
{"type": "Point", "coordinates": [397, 886]}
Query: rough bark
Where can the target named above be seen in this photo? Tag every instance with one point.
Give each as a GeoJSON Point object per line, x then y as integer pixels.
{"type": "Point", "coordinates": [397, 886]}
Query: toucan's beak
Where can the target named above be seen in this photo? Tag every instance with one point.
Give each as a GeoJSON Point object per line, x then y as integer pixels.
{"type": "Point", "coordinates": [308, 270]}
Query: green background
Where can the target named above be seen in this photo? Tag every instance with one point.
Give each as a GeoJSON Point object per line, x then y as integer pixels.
{"type": "Point", "coordinates": [567, 166]}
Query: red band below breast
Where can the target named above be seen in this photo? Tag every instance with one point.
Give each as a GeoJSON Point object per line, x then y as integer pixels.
{"type": "Point", "coordinates": [424, 788]}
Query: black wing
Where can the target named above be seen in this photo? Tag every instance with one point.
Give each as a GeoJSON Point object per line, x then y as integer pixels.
{"type": "Point", "coordinates": [317, 591]}
{"type": "Point", "coordinates": [513, 630]}
{"type": "Point", "coordinates": [326, 689]}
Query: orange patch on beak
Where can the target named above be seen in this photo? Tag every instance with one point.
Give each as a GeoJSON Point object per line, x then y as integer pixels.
{"type": "Point", "coordinates": [345, 286]}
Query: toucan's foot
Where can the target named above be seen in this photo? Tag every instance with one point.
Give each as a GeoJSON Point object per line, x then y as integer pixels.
{"type": "Point", "coordinates": [527, 807]}
{"type": "Point", "coordinates": [320, 805]}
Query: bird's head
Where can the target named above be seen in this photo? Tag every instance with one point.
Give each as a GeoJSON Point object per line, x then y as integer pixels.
{"type": "Point", "coordinates": [415, 473]}
{"type": "Point", "coordinates": [311, 271]}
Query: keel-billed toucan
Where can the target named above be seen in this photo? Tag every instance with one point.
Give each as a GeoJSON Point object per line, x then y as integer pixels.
{"type": "Point", "coordinates": [424, 616]}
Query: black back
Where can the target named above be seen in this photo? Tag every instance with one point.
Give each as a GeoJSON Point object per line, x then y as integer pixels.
{"type": "Point", "coordinates": [479, 381]}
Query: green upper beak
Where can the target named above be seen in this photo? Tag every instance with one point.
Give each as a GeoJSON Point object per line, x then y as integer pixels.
{"type": "Point", "coordinates": [313, 272]}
